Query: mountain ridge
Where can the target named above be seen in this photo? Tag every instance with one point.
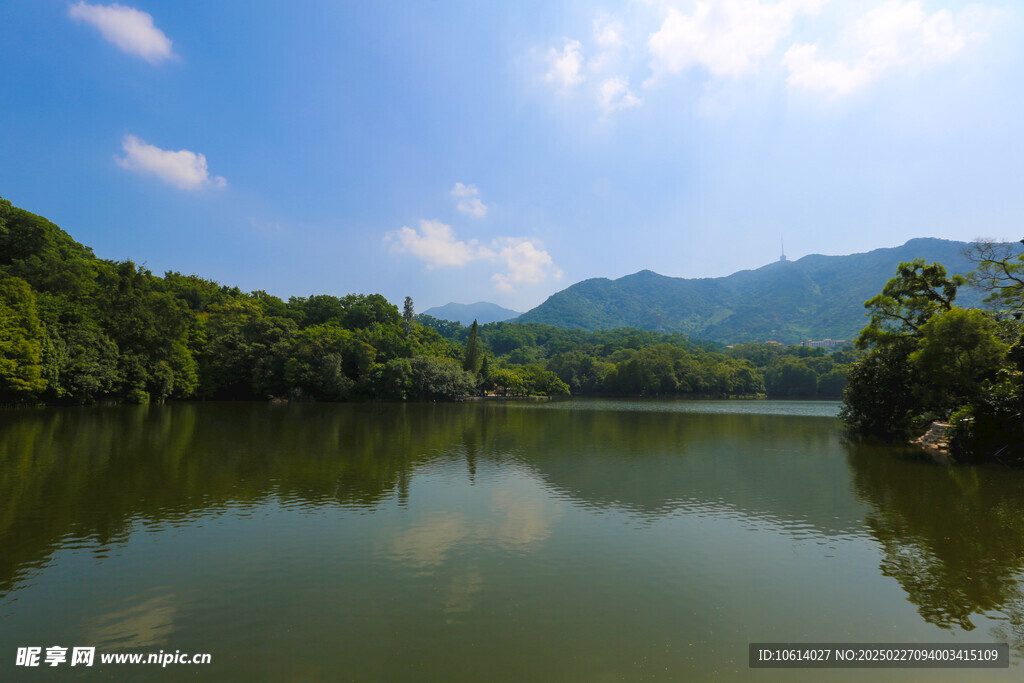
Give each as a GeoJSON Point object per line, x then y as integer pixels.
{"type": "Point", "coordinates": [814, 297]}
{"type": "Point", "coordinates": [482, 311]}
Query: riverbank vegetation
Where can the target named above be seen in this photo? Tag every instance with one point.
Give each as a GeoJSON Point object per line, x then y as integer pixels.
{"type": "Point", "coordinates": [632, 362]}
{"type": "Point", "coordinates": [928, 359]}
{"type": "Point", "coordinates": [77, 329]}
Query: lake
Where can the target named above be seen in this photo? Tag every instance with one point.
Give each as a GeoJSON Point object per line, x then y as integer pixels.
{"type": "Point", "coordinates": [574, 540]}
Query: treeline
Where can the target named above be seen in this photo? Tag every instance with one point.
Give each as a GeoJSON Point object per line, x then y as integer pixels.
{"type": "Point", "coordinates": [799, 371]}
{"type": "Point", "coordinates": [631, 362]}
{"type": "Point", "coordinates": [931, 360]}
{"type": "Point", "coordinates": [78, 329]}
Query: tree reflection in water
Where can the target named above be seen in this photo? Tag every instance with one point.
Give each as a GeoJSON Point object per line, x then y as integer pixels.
{"type": "Point", "coordinates": [953, 537]}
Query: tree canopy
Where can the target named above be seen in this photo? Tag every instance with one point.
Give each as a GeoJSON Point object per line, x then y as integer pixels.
{"type": "Point", "coordinates": [78, 329]}
{"type": "Point", "coordinates": [930, 360]}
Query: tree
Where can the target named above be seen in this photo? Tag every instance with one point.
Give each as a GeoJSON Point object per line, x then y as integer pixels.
{"type": "Point", "coordinates": [396, 379]}
{"type": "Point", "coordinates": [541, 382]}
{"type": "Point", "coordinates": [317, 360]}
{"type": "Point", "coordinates": [79, 359]}
{"type": "Point", "coordinates": [471, 361]}
{"type": "Point", "coordinates": [1000, 272]}
{"type": "Point", "coordinates": [831, 384]}
{"type": "Point", "coordinates": [448, 329]}
{"type": "Point", "coordinates": [992, 426]}
{"type": "Point", "coordinates": [958, 349]}
{"type": "Point", "coordinates": [508, 382]}
{"type": "Point", "coordinates": [884, 395]}
{"type": "Point", "coordinates": [878, 400]}
{"type": "Point", "coordinates": [929, 358]}
{"type": "Point", "coordinates": [789, 377]}
{"type": "Point", "coordinates": [230, 358]}
{"type": "Point", "coordinates": [408, 313]}
{"type": "Point", "coordinates": [907, 301]}
{"type": "Point", "coordinates": [484, 380]}
{"type": "Point", "coordinates": [438, 379]}
{"type": "Point", "coordinates": [363, 310]}
{"type": "Point", "coordinates": [21, 340]}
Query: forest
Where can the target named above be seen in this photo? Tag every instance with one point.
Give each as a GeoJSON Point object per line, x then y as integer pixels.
{"type": "Point", "coordinates": [928, 359]}
{"type": "Point", "coordinates": [77, 329]}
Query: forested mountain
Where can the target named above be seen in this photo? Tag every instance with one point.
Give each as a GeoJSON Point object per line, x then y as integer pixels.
{"type": "Point", "coordinates": [815, 297]}
{"type": "Point", "coordinates": [482, 311]}
{"type": "Point", "coordinates": [77, 329]}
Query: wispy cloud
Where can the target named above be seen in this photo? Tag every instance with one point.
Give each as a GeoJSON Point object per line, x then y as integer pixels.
{"type": "Point", "coordinates": [615, 94]}
{"type": "Point", "coordinates": [129, 29]}
{"type": "Point", "coordinates": [610, 43]}
{"type": "Point", "coordinates": [183, 169]}
{"type": "Point", "coordinates": [898, 36]}
{"type": "Point", "coordinates": [809, 71]}
{"type": "Point", "coordinates": [565, 65]}
{"type": "Point", "coordinates": [568, 69]}
{"type": "Point", "coordinates": [608, 33]}
{"type": "Point", "coordinates": [469, 201]}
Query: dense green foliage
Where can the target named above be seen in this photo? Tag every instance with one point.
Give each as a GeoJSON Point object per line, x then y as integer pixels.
{"type": "Point", "coordinates": [930, 360]}
{"type": "Point", "coordinates": [632, 362]}
{"type": "Point", "coordinates": [78, 329]}
{"type": "Point", "coordinates": [21, 341]}
{"type": "Point", "coordinates": [798, 371]}
{"type": "Point", "coordinates": [816, 297]}
{"type": "Point", "coordinates": [473, 359]}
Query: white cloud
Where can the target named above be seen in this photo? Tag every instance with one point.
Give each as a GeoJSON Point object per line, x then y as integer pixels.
{"type": "Point", "coordinates": [184, 169]}
{"type": "Point", "coordinates": [729, 38]}
{"type": "Point", "coordinates": [525, 264]}
{"type": "Point", "coordinates": [130, 29]}
{"type": "Point", "coordinates": [807, 71]}
{"type": "Point", "coordinates": [566, 65]}
{"type": "Point", "coordinates": [895, 36]}
{"type": "Point", "coordinates": [611, 92]}
{"type": "Point", "coordinates": [828, 49]}
{"type": "Point", "coordinates": [523, 261]}
{"type": "Point", "coordinates": [469, 200]}
{"type": "Point", "coordinates": [615, 94]}
{"type": "Point", "coordinates": [608, 33]}
{"type": "Point", "coordinates": [435, 245]}
{"type": "Point", "coordinates": [902, 33]}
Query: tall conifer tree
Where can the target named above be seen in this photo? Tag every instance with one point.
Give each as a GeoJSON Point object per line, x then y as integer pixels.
{"type": "Point", "coordinates": [408, 314]}
{"type": "Point", "coordinates": [472, 358]}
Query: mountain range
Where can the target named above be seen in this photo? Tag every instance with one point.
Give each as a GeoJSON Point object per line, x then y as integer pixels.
{"type": "Point", "coordinates": [815, 297]}
{"type": "Point", "coordinates": [465, 314]}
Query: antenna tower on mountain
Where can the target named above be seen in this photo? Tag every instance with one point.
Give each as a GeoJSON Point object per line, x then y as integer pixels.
{"type": "Point", "coordinates": [783, 259]}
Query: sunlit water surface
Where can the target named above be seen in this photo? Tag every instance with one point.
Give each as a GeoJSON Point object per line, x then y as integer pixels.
{"type": "Point", "coordinates": [575, 540]}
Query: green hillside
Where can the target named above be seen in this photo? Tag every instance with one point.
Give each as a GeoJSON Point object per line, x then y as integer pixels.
{"type": "Point", "coordinates": [816, 297]}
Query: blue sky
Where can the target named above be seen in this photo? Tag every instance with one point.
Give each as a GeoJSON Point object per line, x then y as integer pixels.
{"type": "Point", "coordinates": [504, 151]}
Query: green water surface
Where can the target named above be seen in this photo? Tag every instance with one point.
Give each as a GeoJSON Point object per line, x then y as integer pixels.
{"type": "Point", "coordinates": [566, 541]}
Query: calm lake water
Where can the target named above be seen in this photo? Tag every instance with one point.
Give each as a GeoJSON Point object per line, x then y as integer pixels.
{"type": "Point", "coordinates": [577, 540]}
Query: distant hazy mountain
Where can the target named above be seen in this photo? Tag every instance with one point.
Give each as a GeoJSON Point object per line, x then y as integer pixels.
{"type": "Point", "coordinates": [815, 297]}
{"type": "Point", "coordinates": [481, 311]}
